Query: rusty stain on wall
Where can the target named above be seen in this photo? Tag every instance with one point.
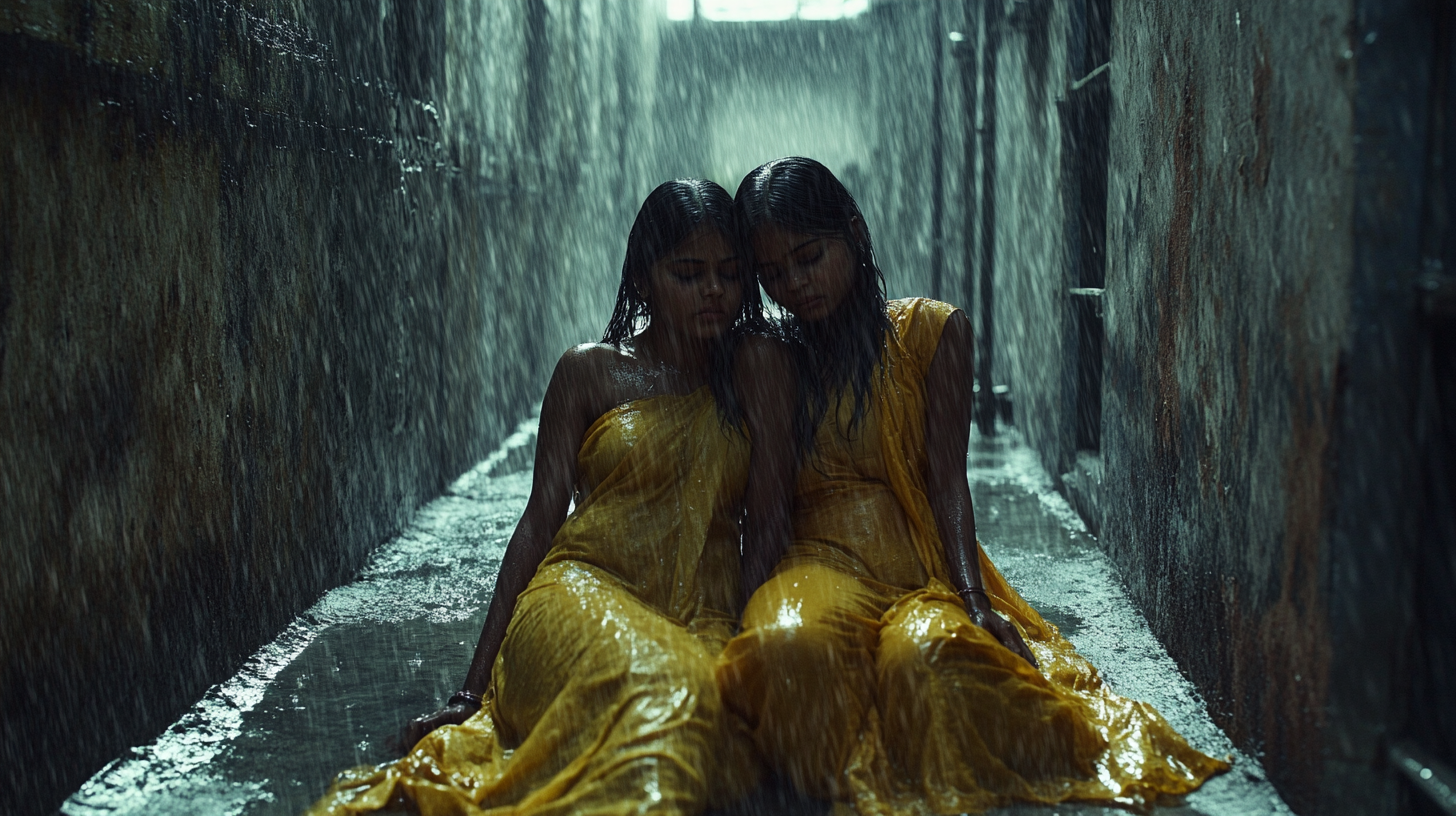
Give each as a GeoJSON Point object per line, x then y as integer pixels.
{"type": "Point", "coordinates": [1226, 314]}
{"type": "Point", "coordinates": [1263, 76]}
{"type": "Point", "coordinates": [1173, 295]}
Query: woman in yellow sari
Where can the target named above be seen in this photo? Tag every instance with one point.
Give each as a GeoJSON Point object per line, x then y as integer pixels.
{"type": "Point", "coordinates": [591, 689]}
{"type": "Point", "coordinates": [884, 662]}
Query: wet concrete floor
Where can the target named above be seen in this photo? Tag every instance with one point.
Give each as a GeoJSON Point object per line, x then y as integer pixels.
{"type": "Point", "coordinates": [330, 690]}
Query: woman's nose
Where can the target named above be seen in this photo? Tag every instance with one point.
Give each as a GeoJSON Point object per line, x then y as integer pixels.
{"type": "Point", "coordinates": [712, 284]}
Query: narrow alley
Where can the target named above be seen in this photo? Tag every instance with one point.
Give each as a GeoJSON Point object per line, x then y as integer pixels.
{"type": "Point", "coordinates": [328, 693]}
{"type": "Point", "coordinates": [275, 274]}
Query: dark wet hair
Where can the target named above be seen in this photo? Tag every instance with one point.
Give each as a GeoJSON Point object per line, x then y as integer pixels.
{"type": "Point", "coordinates": [842, 351]}
{"type": "Point", "coordinates": [669, 215]}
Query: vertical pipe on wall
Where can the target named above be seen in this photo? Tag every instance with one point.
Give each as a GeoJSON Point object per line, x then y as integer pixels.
{"type": "Point", "coordinates": [1430, 716]}
{"type": "Point", "coordinates": [986, 400]}
{"type": "Point", "coordinates": [965, 54]}
{"type": "Point", "coordinates": [1090, 105]}
{"type": "Point", "coordinates": [937, 154]}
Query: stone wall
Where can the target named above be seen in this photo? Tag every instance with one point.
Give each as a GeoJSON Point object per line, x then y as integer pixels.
{"type": "Point", "coordinates": [270, 274]}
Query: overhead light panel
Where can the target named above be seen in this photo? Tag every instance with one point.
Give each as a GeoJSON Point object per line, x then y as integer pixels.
{"type": "Point", "coordinates": [744, 11]}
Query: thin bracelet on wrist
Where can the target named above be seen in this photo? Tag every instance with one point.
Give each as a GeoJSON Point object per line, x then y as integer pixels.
{"type": "Point", "coordinates": [463, 696]}
{"type": "Point", "coordinates": [983, 592]}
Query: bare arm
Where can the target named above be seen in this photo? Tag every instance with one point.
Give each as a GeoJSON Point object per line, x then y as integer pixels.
{"type": "Point", "coordinates": [565, 416]}
{"type": "Point", "coordinates": [947, 436]}
{"type": "Point", "coordinates": [563, 422]}
{"type": "Point", "coordinates": [764, 378]}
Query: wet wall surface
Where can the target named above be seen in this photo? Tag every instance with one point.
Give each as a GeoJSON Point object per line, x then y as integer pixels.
{"type": "Point", "coordinates": [1256, 474]}
{"type": "Point", "coordinates": [337, 683]}
{"type": "Point", "coordinates": [269, 275]}
{"type": "Point", "coordinates": [1230, 210]}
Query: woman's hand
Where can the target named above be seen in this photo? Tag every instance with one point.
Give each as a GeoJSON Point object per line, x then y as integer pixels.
{"type": "Point", "coordinates": [416, 729]}
{"type": "Point", "coordinates": [978, 606]}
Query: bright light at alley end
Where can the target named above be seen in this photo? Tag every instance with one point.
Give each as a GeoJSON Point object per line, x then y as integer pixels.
{"type": "Point", "coordinates": [756, 10]}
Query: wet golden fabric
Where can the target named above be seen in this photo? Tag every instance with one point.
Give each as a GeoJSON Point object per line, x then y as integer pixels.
{"type": "Point", "coordinates": [604, 700]}
{"type": "Point", "coordinates": [865, 681]}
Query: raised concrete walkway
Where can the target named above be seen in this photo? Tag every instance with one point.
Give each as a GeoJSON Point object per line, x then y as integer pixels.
{"type": "Point", "coordinates": [327, 693]}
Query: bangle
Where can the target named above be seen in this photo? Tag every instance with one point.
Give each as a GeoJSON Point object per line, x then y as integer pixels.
{"type": "Point", "coordinates": [983, 592]}
{"type": "Point", "coordinates": [463, 696]}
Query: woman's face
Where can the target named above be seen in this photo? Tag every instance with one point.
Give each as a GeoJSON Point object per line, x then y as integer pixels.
{"type": "Point", "coordinates": [810, 275]}
{"type": "Point", "coordinates": [696, 289]}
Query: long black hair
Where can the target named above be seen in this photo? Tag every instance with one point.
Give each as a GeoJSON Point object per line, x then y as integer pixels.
{"type": "Point", "coordinates": [669, 215]}
{"type": "Point", "coordinates": [842, 351]}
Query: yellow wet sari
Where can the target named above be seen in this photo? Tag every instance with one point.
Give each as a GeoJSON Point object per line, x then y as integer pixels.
{"type": "Point", "coordinates": [864, 679]}
{"type": "Point", "coordinates": [604, 698]}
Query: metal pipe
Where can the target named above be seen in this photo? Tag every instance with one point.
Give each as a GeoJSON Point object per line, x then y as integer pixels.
{"type": "Point", "coordinates": [1428, 774]}
{"type": "Point", "coordinates": [965, 54]}
{"type": "Point", "coordinates": [937, 155]}
{"type": "Point", "coordinates": [986, 402]}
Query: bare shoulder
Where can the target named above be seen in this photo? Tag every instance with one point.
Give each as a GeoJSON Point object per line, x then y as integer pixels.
{"type": "Point", "coordinates": [589, 361]}
{"type": "Point", "coordinates": [957, 331]}
{"type": "Point", "coordinates": [955, 350]}
{"type": "Point", "coordinates": [582, 381]}
{"type": "Point", "coordinates": [588, 353]}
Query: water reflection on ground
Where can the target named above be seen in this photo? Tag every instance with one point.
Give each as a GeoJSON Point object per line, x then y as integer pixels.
{"type": "Point", "coordinates": [331, 690]}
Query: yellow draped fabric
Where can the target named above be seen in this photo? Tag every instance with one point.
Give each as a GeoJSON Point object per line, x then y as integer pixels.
{"type": "Point", "coordinates": [865, 681]}
{"type": "Point", "coordinates": [605, 701]}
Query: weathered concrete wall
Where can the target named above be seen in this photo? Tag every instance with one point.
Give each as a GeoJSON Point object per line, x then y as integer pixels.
{"type": "Point", "coordinates": [1230, 208]}
{"type": "Point", "coordinates": [1262, 488]}
{"type": "Point", "coordinates": [269, 275]}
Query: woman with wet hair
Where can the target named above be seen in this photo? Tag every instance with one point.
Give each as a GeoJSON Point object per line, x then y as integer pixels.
{"type": "Point", "coordinates": [591, 689]}
{"type": "Point", "coordinates": [883, 660]}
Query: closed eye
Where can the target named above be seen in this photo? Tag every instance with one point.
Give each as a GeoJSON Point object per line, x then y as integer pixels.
{"type": "Point", "coordinates": [806, 259]}
{"type": "Point", "coordinates": [686, 270]}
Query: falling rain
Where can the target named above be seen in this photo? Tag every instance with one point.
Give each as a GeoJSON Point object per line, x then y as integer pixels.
{"type": "Point", "coordinates": [283, 287]}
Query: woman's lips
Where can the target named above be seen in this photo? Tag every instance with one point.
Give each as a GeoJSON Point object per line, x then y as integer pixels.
{"type": "Point", "coordinates": [811, 303]}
